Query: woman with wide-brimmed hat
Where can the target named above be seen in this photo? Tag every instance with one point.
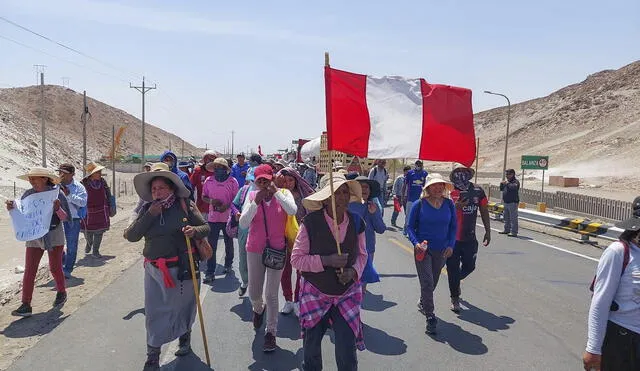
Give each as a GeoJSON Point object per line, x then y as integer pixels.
{"type": "Point", "coordinates": [264, 214]}
{"type": "Point", "coordinates": [432, 230]}
{"type": "Point", "coordinates": [290, 179]}
{"type": "Point", "coordinates": [369, 209]}
{"type": "Point", "coordinates": [42, 180]}
{"type": "Point", "coordinates": [218, 191]}
{"type": "Point", "coordinates": [100, 208]}
{"type": "Point", "coordinates": [169, 301]}
{"type": "Point", "coordinates": [331, 293]}
{"type": "Point", "coordinates": [614, 316]}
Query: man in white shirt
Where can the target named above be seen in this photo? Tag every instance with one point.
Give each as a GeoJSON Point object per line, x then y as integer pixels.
{"type": "Point", "coordinates": [77, 199]}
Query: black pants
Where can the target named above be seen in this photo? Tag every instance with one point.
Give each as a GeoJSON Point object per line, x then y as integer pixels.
{"type": "Point", "coordinates": [621, 349]}
{"type": "Point", "coordinates": [345, 343]}
{"type": "Point", "coordinates": [213, 241]}
{"type": "Point", "coordinates": [460, 264]}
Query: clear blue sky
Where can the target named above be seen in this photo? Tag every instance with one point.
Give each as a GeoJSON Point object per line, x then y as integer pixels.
{"type": "Point", "coordinates": [256, 66]}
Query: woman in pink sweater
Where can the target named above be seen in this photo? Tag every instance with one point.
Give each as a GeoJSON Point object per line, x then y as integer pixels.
{"type": "Point", "coordinates": [265, 214]}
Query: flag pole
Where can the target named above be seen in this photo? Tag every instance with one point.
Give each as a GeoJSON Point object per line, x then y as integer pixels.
{"type": "Point", "coordinates": [197, 296]}
{"type": "Point", "coordinates": [336, 227]}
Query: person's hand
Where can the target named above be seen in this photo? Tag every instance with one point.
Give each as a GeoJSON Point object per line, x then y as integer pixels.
{"type": "Point", "coordinates": [156, 208]}
{"type": "Point", "coordinates": [56, 205]}
{"type": "Point", "coordinates": [346, 275]}
{"type": "Point", "coordinates": [503, 182]}
{"type": "Point", "coordinates": [272, 189]}
{"type": "Point", "coordinates": [334, 260]}
{"type": "Point", "coordinates": [591, 361]}
{"type": "Point", "coordinates": [260, 196]}
{"type": "Point", "coordinates": [487, 239]}
{"type": "Point", "coordinates": [215, 202]}
{"type": "Point", "coordinates": [422, 246]}
{"type": "Point", "coordinates": [371, 206]}
{"type": "Point", "coordinates": [189, 231]}
{"type": "Point", "coordinates": [237, 217]}
{"type": "Point", "coordinates": [448, 252]}
{"type": "Point", "coordinates": [10, 205]}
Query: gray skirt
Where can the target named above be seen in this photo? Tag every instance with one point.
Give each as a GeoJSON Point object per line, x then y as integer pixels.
{"type": "Point", "coordinates": [169, 312]}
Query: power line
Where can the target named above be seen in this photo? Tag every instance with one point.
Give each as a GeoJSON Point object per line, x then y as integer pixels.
{"type": "Point", "coordinates": [70, 48]}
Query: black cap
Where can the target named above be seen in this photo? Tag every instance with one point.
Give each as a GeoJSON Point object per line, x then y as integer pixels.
{"type": "Point", "coordinates": [67, 168]}
{"type": "Point", "coordinates": [418, 162]}
{"type": "Point", "coordinates": [510, 171]}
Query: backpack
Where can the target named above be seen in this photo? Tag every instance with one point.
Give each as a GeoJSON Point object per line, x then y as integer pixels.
{"type": "Point", "coordinates": [375, 172]}
{"type": "Point", "coordinates": [625, 261]}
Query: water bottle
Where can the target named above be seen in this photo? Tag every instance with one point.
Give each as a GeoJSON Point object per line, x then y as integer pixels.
{"type": "Point", "coordinates": [421, 252]}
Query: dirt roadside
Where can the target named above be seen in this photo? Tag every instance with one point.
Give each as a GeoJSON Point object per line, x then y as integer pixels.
{"type": "Point", "coordinates": [90, 277]}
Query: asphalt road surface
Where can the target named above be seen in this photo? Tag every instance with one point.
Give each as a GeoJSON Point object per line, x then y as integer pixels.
{"type": "Point", "coordinates": [525, 308]}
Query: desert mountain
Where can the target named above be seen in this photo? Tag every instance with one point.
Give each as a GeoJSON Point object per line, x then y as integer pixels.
{"type": "Point", "coordinates": [589, 130]}
{"type": "Point", "coordinates": [20, 128]}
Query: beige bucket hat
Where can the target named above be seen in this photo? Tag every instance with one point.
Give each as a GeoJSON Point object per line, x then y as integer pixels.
{"type": "Point", "coordinates": [437, 178]}
{"type": "Point", "coordinates": [314, 202]}
{"type": "Point", "coordinates": [142, 181]}
{"type": "Point", "coordinates": [41, 172]}
{"type": "Point", "coordinates": [92, 168]}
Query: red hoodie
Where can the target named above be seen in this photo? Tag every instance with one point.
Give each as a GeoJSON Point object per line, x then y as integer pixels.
{"type": "Point", "coordinates": [197, 179]}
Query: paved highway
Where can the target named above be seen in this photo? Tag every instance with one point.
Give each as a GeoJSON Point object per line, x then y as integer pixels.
{"type": "Point", "coordinates": [525, 309]}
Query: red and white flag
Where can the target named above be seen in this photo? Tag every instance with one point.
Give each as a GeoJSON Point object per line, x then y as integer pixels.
{"type": "Point", "coordinates": [394, 117]}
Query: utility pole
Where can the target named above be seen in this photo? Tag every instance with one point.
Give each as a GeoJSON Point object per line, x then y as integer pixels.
{"type": "Point", "coordinates": [113, 159]}
{"type": "Point", "coordinates": [43, 134]}
{"type": "Point", "coordinates": [232, 137]}
{"type": "Point", "coordinates": [85, 115]}
{"type": "Point", "coordinates": [142, 89]}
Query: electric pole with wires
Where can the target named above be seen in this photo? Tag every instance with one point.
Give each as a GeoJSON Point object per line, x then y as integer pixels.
{"type": "Point", "coordinates": [85, 117]}
{"type": "Point", "coordinates": [142, 89]}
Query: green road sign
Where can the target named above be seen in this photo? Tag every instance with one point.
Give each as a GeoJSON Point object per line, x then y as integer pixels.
{"type": "Point", "coordinates": [534, 162]}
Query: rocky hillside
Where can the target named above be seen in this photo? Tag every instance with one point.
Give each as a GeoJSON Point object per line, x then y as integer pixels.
{"type": "Point", "coordinates": [20, 127]}
{"type": "Point", "coordinates": [590, 130]}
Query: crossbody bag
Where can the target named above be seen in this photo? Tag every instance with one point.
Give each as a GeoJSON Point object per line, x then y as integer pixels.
{"type": "Point", "coordinates": [271, 258]}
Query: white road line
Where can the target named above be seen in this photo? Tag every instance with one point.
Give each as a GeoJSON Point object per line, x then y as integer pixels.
{"type": "Point", "coordinates": [552, 247]}
{"type": "Point", "coordinates": [172, 347]}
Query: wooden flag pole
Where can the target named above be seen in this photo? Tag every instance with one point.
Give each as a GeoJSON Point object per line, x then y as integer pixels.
{"type": "Point", "coordinates": [336, 227]}
{"type": "Point", "coordinates": [197, 296]}
{"type": "Point", "coordinates": [477, 159]}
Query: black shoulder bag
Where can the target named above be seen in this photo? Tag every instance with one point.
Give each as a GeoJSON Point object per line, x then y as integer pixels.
{"type": "Point", "coordinates": [271, 258]}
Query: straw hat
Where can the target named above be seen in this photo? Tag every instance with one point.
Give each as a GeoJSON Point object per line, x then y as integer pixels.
{"type": "Point", "coordinates": [437, 178]}
{"type": "Point", "coordinates": [314, 201]}
{"type": "Point", "coordinates": [460, 167]}
{"type": "Point", "coordinates": [218, 161]}
{"type": "Point", "coordinates": [92, 168]}
{"type": "Point", "coordinates": [41, 172]}
{"type": "Point", "coordinates": [142, 181]}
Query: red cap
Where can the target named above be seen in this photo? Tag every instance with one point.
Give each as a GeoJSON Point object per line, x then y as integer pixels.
{"type": "Point", "coordinates": [263, 171]}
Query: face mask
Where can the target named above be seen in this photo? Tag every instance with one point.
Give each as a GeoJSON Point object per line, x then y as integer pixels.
{"type": "Point", "coordinates": [221, 174]}
{"type": "Point", "coordinates": [461, 179]}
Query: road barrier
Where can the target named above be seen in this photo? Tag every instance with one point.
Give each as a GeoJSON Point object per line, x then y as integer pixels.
{"type": "Point", "coordinates": [571, 202]}
{"type": "Point", "coordinates": [584, 227]}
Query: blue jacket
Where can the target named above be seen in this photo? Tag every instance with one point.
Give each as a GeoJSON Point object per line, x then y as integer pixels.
{"type": "Point", "coordinates": [373, 222]}
{"type": "Point", "coordinates": [436, 226]}
{"type": "Point", "coordinates": [174, 169]}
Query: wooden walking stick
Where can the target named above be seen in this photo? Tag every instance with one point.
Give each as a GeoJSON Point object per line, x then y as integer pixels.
{"type": "Point", "coordinates": [197, 296]}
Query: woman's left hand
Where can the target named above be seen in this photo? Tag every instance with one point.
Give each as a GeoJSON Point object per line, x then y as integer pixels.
{"type": "Point", "coordinates": [346, 275]}
{"type": "Point", "coordinates": [448, 252]}
{"type": "Point", "coordinates": [272, 188]}
{"type": "Point", "coordinates": [372, 207]}
{"type": "Point", "coordinates": [56, 205]}
{"type": "Point", "coordinates": [591, 361]}
{"type": "Point", "coordinates": [189, 231]}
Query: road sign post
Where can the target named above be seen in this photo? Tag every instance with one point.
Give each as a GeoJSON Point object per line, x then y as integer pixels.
{"type": "Point", "coordinates": [528, 162]}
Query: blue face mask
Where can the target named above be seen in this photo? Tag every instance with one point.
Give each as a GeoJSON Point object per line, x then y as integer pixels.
{"type": "Point", "coordinates": [461, 179]}
{"type": "Point", "coordinates": [221, 174]}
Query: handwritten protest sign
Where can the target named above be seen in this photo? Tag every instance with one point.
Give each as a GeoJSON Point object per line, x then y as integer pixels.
{"type": "Point", "coordinates": [31, 216]}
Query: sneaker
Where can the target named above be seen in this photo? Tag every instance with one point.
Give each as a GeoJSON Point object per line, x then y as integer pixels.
{"type": "Point", "coordinates": [432, 321]}
{"type": "Point", "coordinates": [96, 255]}
{"type": "Point", "coordinates": [269, 342]}
{"type": "Point", "coordinates": [242, 291]}
{"type": "Point", "coordinates": [296, 309]}
{"type": "Point", "coordinates": [151, 365]}
{"type": "Point", "coordinates": [513, 235]}
{"type": "Point", "coordinates": [287, 308]}
{"type": "Point", "coordinates": [184, 345]}
{"type": "Point", "coordinates": [227, 270]}
{"type": "Point", "coordinates": [258, 319]}
{"type": "Point", "coordinates": [209, 278]}
{"type": "Point", "coordinates": [23, 311]}
{"type": "Point", "coordinates": [421, 308]}
{"type": "Point", "coordinates": [67, 275]}
{"type": "Point", "coordinates": [61, 298]}
{"type": "Point", "coordinates": [503, 232]}
{"type": "Point", "coordinates": [87, 250]}
{"type": "Point", "coordinates": [455, 305]}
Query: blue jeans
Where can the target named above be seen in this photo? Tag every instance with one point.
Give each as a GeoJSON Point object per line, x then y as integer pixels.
{"type": "Point", "coordinates": [213, 241]}
{"type": "Point", "coordinates": [72, 235]}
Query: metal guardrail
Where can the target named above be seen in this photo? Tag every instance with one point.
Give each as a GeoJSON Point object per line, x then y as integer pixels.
{"type": "Point", "coordinates": [584, 227]}
{"type": "Point", "coordinates": [571, 202]}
